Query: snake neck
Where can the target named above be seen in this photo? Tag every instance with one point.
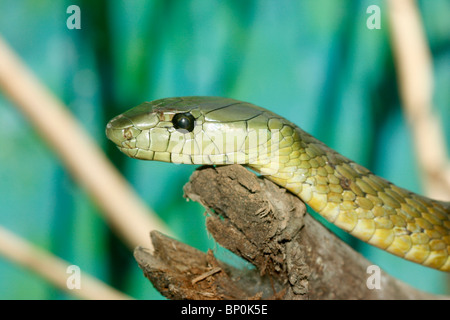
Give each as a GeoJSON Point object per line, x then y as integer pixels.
{"type": "Point", "coordinates": [361, 203]}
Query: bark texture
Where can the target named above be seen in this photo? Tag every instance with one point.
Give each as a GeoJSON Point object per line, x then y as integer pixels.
{"type": "Point", "coordinates": [295, 257]}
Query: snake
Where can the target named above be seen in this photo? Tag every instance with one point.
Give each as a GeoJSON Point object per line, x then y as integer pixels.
{"type": "Point", "coordinates": [220, 131]}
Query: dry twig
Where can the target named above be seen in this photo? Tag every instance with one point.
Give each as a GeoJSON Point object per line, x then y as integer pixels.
{"type": "Point", "coordinates": [53, 269]}
{"type": "Point", "coordinates": [415, 78]}
{"type": "Point", "coordinates": [121, 207]}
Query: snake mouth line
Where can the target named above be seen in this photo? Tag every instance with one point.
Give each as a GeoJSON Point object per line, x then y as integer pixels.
{"type": "Point", "coordinates": [131, 152]}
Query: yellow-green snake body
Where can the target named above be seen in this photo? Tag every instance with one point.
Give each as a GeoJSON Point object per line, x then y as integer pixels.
{"type": "Point", "coordinates": [215, 130]}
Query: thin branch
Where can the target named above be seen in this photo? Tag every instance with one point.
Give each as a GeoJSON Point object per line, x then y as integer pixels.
{"type": "Point", "coordinates": [87, 163]}
{"type": "Point", "coordinates": [415, 76]}
{"type": "Point", "coordinates": [53, 269]}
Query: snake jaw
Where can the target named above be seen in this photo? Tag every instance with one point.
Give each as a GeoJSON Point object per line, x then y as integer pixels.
{"type": "Point", "coordinates": [129, 152]}
{"type": "Point", "coordinates": [129, 144]}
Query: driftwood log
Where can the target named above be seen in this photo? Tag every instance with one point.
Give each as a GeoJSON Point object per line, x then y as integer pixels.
{"type": "Point", "coordinates": [295, 257]}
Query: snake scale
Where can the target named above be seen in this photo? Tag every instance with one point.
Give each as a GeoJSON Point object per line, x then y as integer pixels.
{"type": "Point", "coordinates": [218, 131]}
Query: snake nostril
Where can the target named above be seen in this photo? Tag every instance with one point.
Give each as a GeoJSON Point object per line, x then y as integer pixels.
{"type": "Point", "coordinates": [128, 134]}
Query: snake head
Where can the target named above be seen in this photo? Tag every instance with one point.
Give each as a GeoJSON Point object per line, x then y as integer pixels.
{"type": "Point", "coordinates": [198, 130]}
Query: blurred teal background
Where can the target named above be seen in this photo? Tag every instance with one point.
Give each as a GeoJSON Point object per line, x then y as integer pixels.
{"type": "Point", "coordinates": [313, 62]}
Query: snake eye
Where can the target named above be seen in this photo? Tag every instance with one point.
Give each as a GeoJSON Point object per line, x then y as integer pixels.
{"type": "Point", "coordinates": [185, 121]}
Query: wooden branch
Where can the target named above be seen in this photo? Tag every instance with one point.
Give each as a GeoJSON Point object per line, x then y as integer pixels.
{"type": "Point", "coordinates": [294, 255]}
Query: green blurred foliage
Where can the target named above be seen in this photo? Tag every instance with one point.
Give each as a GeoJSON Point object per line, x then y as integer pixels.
{"type": "Point", "coordinates": [314, 62]}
